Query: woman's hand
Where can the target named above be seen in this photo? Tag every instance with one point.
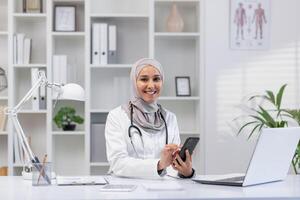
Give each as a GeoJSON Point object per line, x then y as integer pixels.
{"type": "Point", "coordinates": [184, 168]}
{"type": "Point", "coordinates": [167, 156]}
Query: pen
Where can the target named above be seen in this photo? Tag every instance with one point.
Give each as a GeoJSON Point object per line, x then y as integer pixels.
{"type": "Point", "coordinates": [42, 171]}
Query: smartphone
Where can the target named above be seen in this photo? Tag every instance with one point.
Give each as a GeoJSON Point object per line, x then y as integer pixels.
{"type": "Point", "coordinates": [189, 144]}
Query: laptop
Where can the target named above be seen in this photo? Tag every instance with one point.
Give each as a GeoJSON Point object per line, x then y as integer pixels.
{"type": "Point", "coordinates": [81, 180]}
{"type": "Point", "coordinates": [270, 160]}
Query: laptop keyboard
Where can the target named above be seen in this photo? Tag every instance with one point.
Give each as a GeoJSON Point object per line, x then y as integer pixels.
{"type": "Point", "coordinates": [233, 179]}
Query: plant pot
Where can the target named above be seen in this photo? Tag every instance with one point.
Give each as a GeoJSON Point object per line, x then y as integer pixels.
{"type": "Point", "coordinates": [69, 127]}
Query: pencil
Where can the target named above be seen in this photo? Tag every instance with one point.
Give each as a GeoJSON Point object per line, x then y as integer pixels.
{"type": "Point", "coordinates": [42, 171]}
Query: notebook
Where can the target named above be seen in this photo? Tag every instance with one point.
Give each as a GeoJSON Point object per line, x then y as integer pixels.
{"type": "Point", "coordinates": [270, 160]}
{"type": "Point", "coordinates": [81, 180]}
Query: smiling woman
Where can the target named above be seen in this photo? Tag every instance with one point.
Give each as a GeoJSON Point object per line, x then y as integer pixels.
{"type": "Point", "coordinates": [142, 137]}
{"type": "Point", "coordinates": [149, 83]}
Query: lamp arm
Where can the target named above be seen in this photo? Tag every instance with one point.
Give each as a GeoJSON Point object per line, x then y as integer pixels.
{"type": "Point", "coordinates": [12, 113]}
{"type": "Point", "coordinates": [21, 135]}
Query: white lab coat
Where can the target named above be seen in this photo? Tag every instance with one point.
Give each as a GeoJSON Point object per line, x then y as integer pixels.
{"type": "Point", "coordinates": [121, 156]}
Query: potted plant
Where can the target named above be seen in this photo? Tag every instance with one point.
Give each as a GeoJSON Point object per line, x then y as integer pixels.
{"type": "Point", "coordinates": [276, 117]}
{"type": "Point", "coordinates": [66, 119]}
{"type": "Point", "coordinates": [295, 114]}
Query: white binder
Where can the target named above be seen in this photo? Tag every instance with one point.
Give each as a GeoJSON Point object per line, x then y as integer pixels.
{"type": "Point", "coordinates": [98, 150]}
{"type": "Point", "coordinates": [27, 49]}
{"type": "Point", "coordinates": [63, 69]}
{"type": "Point", "coordinates": [96, 44]}
{"type": "Point", "coordinates": [112, 43]}
{"type": "Point", "coordinates": [20, 47]}
{"type": "Point", "coordinates": [42, 97]}
{"type": "Point", "coordinates": [15, 47]}
{"type": "Point", "coordinates": [59, 71]}
{"type": "Point", "coordinates": [35, 94]}
{"type": "Point", "coordinates": [103, 44]}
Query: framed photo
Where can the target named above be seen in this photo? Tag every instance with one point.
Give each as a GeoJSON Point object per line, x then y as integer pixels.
{"type": "Point", "coordinates": [65, 18]}
{"type": "Point", "coordinates": [183, 86]}
{"type": "Point", "coordinates": [32, 6]}
{"type": "Point", "coordinates": [250, 24]}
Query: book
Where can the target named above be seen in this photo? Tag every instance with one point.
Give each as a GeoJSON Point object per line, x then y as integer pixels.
{"type": "Point", "coordinates": [3, 118]}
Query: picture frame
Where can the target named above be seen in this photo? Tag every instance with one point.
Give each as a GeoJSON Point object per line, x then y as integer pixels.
{"type": "Point", "coordinates": [65, 18]}
{"type": "Point", "coordinates": [250, 24]}
{"type": "Point", "coordinates": [32, 6]}
{"type": "Point", "coordinates": [183, 86]}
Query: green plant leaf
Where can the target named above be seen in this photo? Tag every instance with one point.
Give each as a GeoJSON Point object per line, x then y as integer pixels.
{"type": "Point", "coordinates": [279, 96]}
{"type": "Point", "coordinates": [245, 125]}
{"type": "Point", "coordinates": [66, 115]}
{"type": "Point", "coordinates": [270, 96]}
{"type": "Point", "coordinates": [269, 120]}
{"type": "Point", "coordinates": [258, 118]}
{"type": "Point", "coordinates": [253, 130]}
{"type": "Point", "coordinates": [255, 96]}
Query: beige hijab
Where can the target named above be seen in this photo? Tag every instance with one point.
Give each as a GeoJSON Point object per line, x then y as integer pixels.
{"type": "Point", "coordinates": [146, 115]}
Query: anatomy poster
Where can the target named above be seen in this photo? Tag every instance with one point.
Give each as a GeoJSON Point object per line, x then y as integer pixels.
{"type": "Point", "coordinates": [250, 24]}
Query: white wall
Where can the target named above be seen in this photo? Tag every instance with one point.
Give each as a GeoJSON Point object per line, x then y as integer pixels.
{"type": "Point", "coordinates": [232, 74]}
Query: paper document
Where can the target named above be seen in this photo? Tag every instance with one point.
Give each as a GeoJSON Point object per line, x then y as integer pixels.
{"type": "Point", "coordinates": [117, 188]}
{"type": "Point", "coordinates": [80, 180]}
{"type": "Point", "coordinates": [163, 185]}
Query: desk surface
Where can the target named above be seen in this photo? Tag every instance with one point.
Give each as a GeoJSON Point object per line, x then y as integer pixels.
{"type": "Point", "coordinates": [17, 188]}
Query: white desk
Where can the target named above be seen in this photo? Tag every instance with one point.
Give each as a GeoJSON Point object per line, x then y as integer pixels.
{"type": "Point", "coordinates": [16, 188]}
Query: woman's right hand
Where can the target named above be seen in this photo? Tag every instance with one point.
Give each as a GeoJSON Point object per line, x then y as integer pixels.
{"type": "Point", "coordinates": [167, 156]}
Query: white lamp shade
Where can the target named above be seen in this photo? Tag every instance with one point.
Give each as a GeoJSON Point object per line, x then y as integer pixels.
{"type": "Point", "coordinates": [72, 91]}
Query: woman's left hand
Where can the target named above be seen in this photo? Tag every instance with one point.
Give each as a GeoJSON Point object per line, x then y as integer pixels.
{"type": "Point", "coordinates": [184, 168]}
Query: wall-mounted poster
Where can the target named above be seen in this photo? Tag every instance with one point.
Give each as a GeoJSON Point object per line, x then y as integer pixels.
{"type": "Point", "coordinates": [250, 24]}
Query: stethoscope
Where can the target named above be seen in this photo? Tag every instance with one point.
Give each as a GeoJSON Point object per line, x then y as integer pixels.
{"type": "Point", "coordinates": [132, 126]}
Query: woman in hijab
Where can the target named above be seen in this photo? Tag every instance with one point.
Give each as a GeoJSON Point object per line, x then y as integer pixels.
{"type": "Point", "coordinates": [142, 138]}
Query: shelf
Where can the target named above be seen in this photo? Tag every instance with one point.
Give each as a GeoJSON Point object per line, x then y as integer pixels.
{"type": "Point", "coordinates": [121, 15]}
{"type": "Point", "coordinates": [171, 1]}
{"type": "Point", "coordinates": [99, 164]}
{"type": "Point", "coordinates": [99, 111]}
{"type": "Point", "coordinates": [112, 66]}
{"type": "Point", "coordinates": [18, 165]}
{"type": "Point", "coordinates": [33, 111]}
{"type": "Point", "coordinates": [68, 34]}
{"type": "Point", "coordinates": [181, 34]}
{"type": "Point", "coordinates": [3, 98]}
{"type": "Point", "coordinates": [5, 33]}
{"type": "Point", "coordinates": [3, 133]}
{"type": "Point", "coordinates": [30, 65]}
{"type": "Point", "coordinates": [68, 1]}
{"type": "Point", "coordinates": [30, 15]}
{"type": "Point", "coordinates": [68, 133]}
{"type": "Point", "coordinates": [167, 98]}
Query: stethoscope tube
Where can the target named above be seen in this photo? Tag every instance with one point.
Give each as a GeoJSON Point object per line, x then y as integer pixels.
{"type": "Point", "coordinates": [132, 126]}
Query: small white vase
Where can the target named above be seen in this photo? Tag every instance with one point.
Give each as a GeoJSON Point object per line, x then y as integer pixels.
{"type": "Point", "coordinates": [174, 21]}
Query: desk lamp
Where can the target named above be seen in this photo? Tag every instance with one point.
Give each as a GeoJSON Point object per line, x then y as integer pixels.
{"type": "Point", "coordinates": [69, 91]}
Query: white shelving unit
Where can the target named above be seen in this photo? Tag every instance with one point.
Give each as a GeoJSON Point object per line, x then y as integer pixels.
{"type": "Point", "coordinates": [141, 33]}
{"type": "Point", "coordinates": [4, 141]}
